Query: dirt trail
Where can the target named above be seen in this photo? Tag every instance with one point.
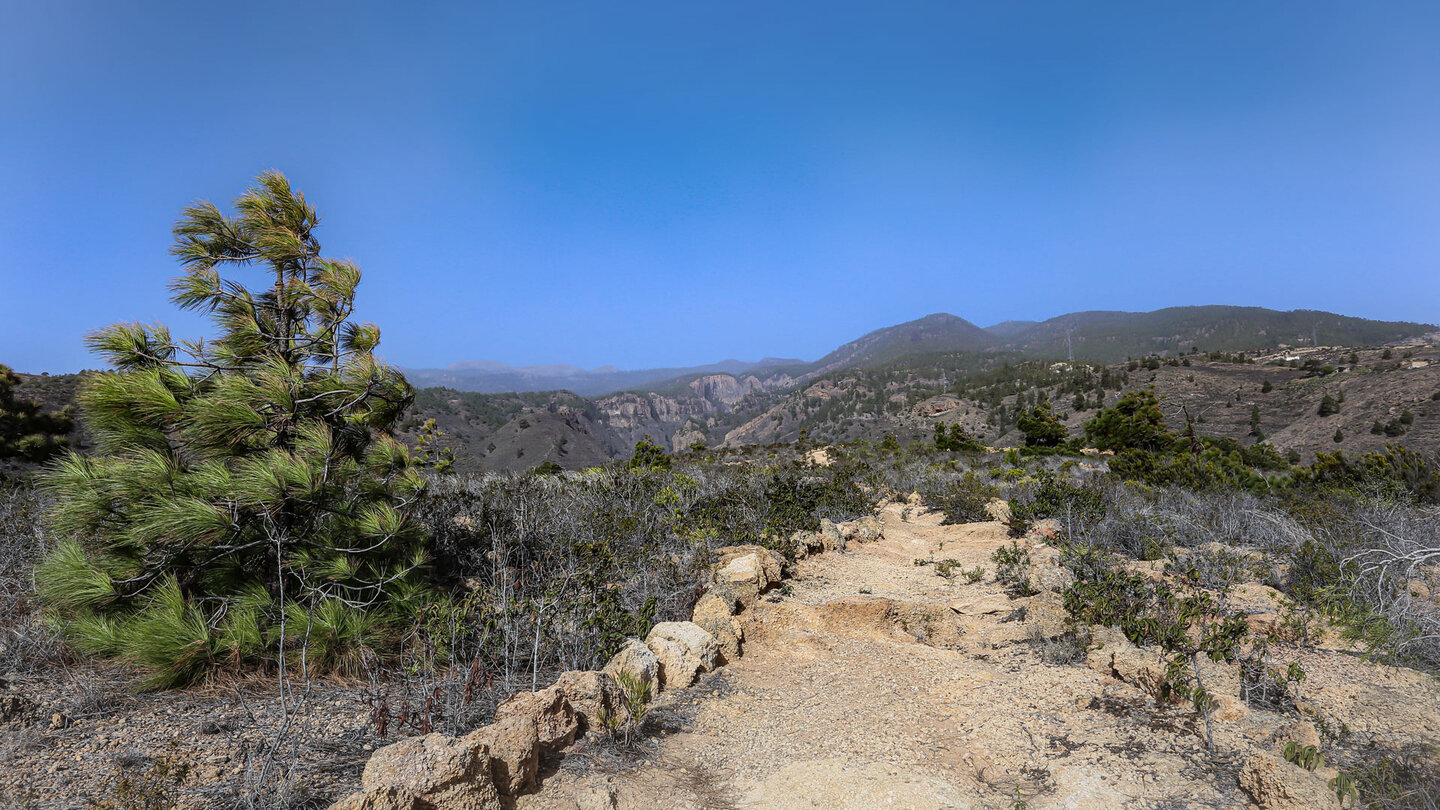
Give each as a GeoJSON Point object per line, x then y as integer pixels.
{"type": "Point", "coordinates": [862, 689]}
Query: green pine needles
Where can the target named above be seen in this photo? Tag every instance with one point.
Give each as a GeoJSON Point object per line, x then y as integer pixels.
{"type": "Point", "coordinates": [248, 504]}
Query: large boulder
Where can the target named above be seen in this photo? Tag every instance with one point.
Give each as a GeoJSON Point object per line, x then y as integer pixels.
{"type": "Point", "coordinates": [1275, 784]}
{"type": "Point", "coordinates": [555, 721]}
{"type": "Point", "coordinates": [684, 649]}
{"type": "Point", "coordinates": [1045, 615]}
{"type": "Point", "coordinates": [433, 771]}
{"type": "Point", "coordinates": [593, 695]}
{"type": "Point", "coordinates": [514, 745]}
{"type": "Point", "coordinates": [636, 661]}
{"type": "Point", "coordinates": [1051, 578]}
{"type": "Point", "coordinates": [1117, 657]}
{"type": "Point", "coordinates": [715, 613]}
{"type": "Point", "coordinates": [747, 571]}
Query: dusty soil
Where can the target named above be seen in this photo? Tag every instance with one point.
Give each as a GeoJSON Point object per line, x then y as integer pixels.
{"type": "Point", "coordinates": [861, 688]}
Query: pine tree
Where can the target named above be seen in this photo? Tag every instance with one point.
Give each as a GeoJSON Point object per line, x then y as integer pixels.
{"type": "Point", "coordinates": [1041, 428]}
{"type": "Point", "coordinates": [1339, 436]}
{"type": "Point", "coordinates": [248, 502]}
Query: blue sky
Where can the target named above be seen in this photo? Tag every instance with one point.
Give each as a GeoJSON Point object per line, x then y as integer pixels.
{"type": "Point", "coordinates": [653, 184]}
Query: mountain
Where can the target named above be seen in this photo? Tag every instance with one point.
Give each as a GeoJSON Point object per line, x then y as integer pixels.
{"type": "Point", "coordinates": [1107, 337]}
{"type": "Point", "coordinates": [1009, 329]}
{"type": "Point", "coordinates": [494, 378]}
{"type": "Point", "coordinates": [940, 332]}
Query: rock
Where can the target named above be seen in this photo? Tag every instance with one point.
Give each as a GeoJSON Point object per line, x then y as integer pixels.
{"type": "Point", "coordinates": [830, 538]}
{"type": "Point", "coordinates": [1301, 732]}
{"type": "Point", "coordinates": [514, 746]}
{"type": "Point", "coordinates": [637, 661]}
{"type": "Point", "coordinates": [982, 605]}
{"type": "Point", "coordinates": [555, 721]}
{"type": "Point", "coordinates": [17, 708]}
{"type": "Point", "coordinates": [684, 649]}
{"type": "Point", "coordinates": [998, 509]}
{"type": "Point", "coordinates": [1228, 708]}
{"type": "Point", "coordinates": [868, 530]}
{"type": "Point", "coordinates": [1263, 624]}
{"type": "Point", "coordinates": [1051, 578]}
{"type": "Point", "coordinates": [430, 771]}
{"type": "Point", "coordinates": [390, 798]}
{"type": "Point", "coordinates": [1275, 784]}
{"type": "Point", "coordinates": [1115, 656]}
{"type": "Point", "coordinates": [715, 613]}
{"type": "Point", "coordinates": [593, 696]}
{"type": "Point", "coordinates": [747, 571]}
{"type": "Point", "coordinates": [1046, 615]}
{"type": "Point", "coordinates": [595, 797]}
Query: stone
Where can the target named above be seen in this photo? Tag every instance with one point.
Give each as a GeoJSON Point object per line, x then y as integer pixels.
{"type": "Point", "coordinates": [555, 721]}
{"type": "Point", "coordinates": [514, 746]}
{"type": "Point", "coordinates": [1115, 656]}
{"type": "Point", "coordinates": [1046, 616]}
{"type": "Point", "coordinates": [390, 798]}
{"type": "Point", "coordinates": [982, 605]}
{"type": "Point", "coordinates": [429, 771]}
{"type": "Point", "coordinates": [1301, 732]}
{"type": "Point", "coordinates": [684, 649]}
{"type": "Point", "coordinates": [1051, 578]}
{"type": "Point", "coordinates": [747, 571]}
{"type": "Point", "coordinates": [715, 613]}
{"type": "Point", "coordinates": [829, 536]}
{"type": "Point", "coordinates": [1275, 784]}
{"type": "Point", "coordinates": [868, 530]}
{"type": "Point", "coordinates": [593, 695]}
{"type": "Point", "coordinates": [998, 509]}
{"type": "Point", "coordinates": [1228, 708]}
{"type": "Point", "coordinates": [636, 661]}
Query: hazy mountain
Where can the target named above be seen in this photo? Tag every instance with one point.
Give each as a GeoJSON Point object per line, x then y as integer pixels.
{"type": "Point", "coordinates": [1101, 336]}
{"type": "Point", "coordinates": [494, 378]}
{"type": "Point", "coordinates": [1009, 329]}
{"type": "Point", "coordinates": [940, 332]}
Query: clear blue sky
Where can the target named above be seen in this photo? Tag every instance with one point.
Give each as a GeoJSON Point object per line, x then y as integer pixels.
{"type": "Point", "coordinates": [666, 183]}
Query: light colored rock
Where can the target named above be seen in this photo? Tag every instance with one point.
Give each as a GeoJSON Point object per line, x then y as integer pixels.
{"type": "Point", "coordinates": [1046, 616]}
{"type": "Point", "coordinates": [637, 661]}
{"type": "Point", "coordinates": [390, 798]}
{"type": "Point", "coordinates": [1051, 578]}
{"type": "Point", "coordinates": [747, 571]}
{"type": "Point", "coordinates": [1228, 708]}
{"type": "Point", "coordinates": [998, 509]}
{"type": "Point", "coordinates": [1301, 732]}
{"type": "Point", "coordinates": [514, 745]}
{"type": "Point", "coordinates": [1275, 784]}
{"type": "Point", "coordinates": [869, 530]}
{"type": "Point", "coordinates": [436, 770]}
{"type": "Point", "coordinates": [982, 605]}
{"type": "Point", "coordinates": [593, 696]}
{"type": "Point", "coordinates": [684, 649]}
{"type": "Point", "coordinates": [1115, 656]}
{"type": "Point", "coordinates": [555, 721]}
{"type": "Point", "coordinates": [715, 613]}
{"type": "Point", "coordinates": [830, 538]}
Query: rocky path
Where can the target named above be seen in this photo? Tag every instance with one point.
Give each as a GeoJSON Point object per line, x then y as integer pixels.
{"type": "Point", "coordinates": [874, 682]}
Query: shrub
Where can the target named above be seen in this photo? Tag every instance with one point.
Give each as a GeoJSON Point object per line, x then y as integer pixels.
{"type": "Point", "coordinates": [1040, 427]}
{"type": "Point", "coordinates": [963, 500]}
{"type": "Point", "coordinates": [245, 481]}
{"type": "Point", "coordinates": [1135, 422]}
{"type": "Point", "coordinates": [1012, 567]}
{"type": "Point", "coordinates": [26, 431]}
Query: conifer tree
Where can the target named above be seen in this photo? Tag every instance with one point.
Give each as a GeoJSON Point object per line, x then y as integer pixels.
{"type": "Point", "coordinates": [247, 499]}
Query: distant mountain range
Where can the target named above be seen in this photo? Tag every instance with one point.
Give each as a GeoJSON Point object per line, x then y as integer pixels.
{"type": "Point", "coordinates": [497, 378]}
{"type": "Point", "coordinates": [1095, 336]}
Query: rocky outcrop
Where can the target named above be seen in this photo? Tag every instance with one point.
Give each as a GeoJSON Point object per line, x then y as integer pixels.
{"type": "Point", "coordinates": [555, 721]}
{"type": "Point", "coordinates": [433, 771]}
{"type": "Point", "coordinates": [637, 662]}
{"type": "Point", "coordinates": [1275, 784]}
{"type": "Point", "coordinates": [684, 650]}
{"type": "Point", "coordinates": [715, 612]}
{"type": "Point", "coordinates": [514, 746]}
{"type": "Point", "coordinates": [1114, 655]}
{"type": "Point", "coordinates": [747, 571]}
